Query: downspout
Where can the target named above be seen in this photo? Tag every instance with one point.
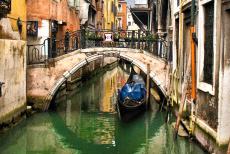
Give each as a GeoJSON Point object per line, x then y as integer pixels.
{"type": "Point", "coordinates": [193, 52]}
{"type": "Point", "coordinates": [193, 66]}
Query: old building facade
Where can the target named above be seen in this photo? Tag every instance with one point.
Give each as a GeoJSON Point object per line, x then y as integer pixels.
{"type": "Point", "coordinates": [130, 22]}
{"type": "Point", "coordinates": [110, 13]}
{"type": "Point", "coordinates": [209, 107]}
{"type": "Point", "coordinates": [91, 14]}
{"type": "Point", "coordinates": [122, 15]}
{"type": "Point", "coordinates": [100, 14]}
{"type": "Point", "coordinates": [142, 14]}
{"type": "Point", "coordinates": [51, 20]}
{"type": "Point", "coordinates": [18, 12]}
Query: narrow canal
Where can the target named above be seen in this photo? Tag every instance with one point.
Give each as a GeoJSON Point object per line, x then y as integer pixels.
{"type": "Point", "coordinates": [85, 121]}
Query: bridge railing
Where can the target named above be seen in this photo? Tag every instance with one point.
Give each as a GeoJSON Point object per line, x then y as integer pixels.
{"type": "Point", "coordinates": [85, 38]}
{"type": "Point", "coordinates": [39, 53]}
{"type": "Point", "coordinates": [139, 39]}
{"type": "Point", "coordinates": [69, 43]}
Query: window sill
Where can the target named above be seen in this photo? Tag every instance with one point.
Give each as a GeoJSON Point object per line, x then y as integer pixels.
{"type": "Point", "coordinates": [205, 87]}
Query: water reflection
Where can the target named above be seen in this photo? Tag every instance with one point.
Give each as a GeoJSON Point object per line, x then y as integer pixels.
{"type": "Point", "coordinates": [86, 122]}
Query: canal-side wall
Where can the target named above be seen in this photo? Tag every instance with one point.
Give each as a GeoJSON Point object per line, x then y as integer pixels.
{"type": "Point", "coordinates": [13, 74]}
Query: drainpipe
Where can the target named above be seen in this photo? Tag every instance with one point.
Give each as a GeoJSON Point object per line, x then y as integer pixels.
{"type": "Point", "coordinates": [193, 52]}
{"type": "Point", "coordinates": [193, 65]}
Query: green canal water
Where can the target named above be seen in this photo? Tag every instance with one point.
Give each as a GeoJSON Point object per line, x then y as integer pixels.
{"type": "Point", "coordinates": [86, 122]}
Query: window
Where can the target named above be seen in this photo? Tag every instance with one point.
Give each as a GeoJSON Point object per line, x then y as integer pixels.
{"type": "Point", "coordinates": [129, 23]}
{"type": "Point", "coordinates": [208, 42]}
{"type": "Point", "coordinates": [119, 22]}
{"type": "Point", "coordinates": [178, 2]}
{"type": "Point", "coordinates": [92, 16]}
{"type": "Point", "coordinates": [119, 8]}
{"type": "Point", "coordinates": [207, 46]}
{"type": "Point", "coordinates": [112, 7]}
{"type": "Point", "coordinates": [112, 26]}
{"type": "Point", "coordinates": [186, 42]}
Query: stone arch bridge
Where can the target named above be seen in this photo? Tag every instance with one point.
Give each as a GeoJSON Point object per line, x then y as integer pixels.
{"type": "Point", "coordinates": [44, 80]}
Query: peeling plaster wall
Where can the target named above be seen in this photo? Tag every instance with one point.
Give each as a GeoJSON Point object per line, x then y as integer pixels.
{"type": "Point", "coordinates": [84, 9]}
{"type": "Point", "coordinates": [208, 108]}
{"type": "Point", "coordinates": [18, 10]}
{"type": "Point", "coordinates": [60, 11]}
{"type": "Point", "coordinates": [13, 74]}
{"type": "Point", "coordinates": [223, 130]}
{"type": "Point", "coordinates": [123, 14]}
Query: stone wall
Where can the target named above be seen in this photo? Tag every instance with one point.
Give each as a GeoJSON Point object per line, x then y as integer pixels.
{"type": "Point", "coordinates": [13, 74]}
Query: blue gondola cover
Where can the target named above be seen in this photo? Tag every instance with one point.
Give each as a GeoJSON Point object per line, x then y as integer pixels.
{"type": "Point", "coordinates": [134, 90]}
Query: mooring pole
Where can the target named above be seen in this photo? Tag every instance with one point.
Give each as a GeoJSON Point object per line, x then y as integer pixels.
{"type": "Point", "coordinates": [228, 147]}
{"type": "Point", "coordinates": [147, 85]}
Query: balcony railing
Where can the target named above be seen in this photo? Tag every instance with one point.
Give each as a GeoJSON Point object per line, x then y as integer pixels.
{"type": "Point", "coordinates": [5, 7]}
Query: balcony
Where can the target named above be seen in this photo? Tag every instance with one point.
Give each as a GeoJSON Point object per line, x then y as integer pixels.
{"type": "Point", "coordinates": [5, 7]}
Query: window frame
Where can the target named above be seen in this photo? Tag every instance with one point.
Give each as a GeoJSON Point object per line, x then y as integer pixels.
{"type": "Point", "coordinates": [119, 19]}
{"type": "Point", "coordinates": [119, 8]}
{"type": "Point", "coordinates": [201, 85]}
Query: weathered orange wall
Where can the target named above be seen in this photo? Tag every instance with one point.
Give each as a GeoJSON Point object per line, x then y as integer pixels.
{"type": "Point", "coordinates": [123, 14]}
{"type": "Point", "coordinates": [39, 10]}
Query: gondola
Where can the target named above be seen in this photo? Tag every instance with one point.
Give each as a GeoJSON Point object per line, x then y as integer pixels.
{"type": "Point", "coordinates": [132, 96]}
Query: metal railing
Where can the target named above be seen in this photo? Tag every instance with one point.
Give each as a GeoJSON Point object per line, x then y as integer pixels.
{"type": "Point", "coordinates": [84, 38]}
{"type": "Point", "coordinates": [39, 53]}
{"type": "Point", "coordinates": [127, 39]}
{"type": "Point", "coordinates": [67, 44]}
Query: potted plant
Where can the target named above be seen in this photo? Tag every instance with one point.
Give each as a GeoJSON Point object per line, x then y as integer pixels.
{"type": "Point", "coordinates": [116, 37]}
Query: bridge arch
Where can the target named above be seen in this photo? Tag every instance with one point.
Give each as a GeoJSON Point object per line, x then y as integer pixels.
{"type": "Point", "coordinates": [98, 53]}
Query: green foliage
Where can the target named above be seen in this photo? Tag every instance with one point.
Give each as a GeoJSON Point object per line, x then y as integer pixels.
{"type": "Point", "coordinates": [151, 37]}
{"type": "Point", "coordinates": [93, 36]}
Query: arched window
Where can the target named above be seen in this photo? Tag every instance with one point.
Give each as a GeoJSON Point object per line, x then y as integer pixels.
{"type": "Point", "coordinates": [119, 8]}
